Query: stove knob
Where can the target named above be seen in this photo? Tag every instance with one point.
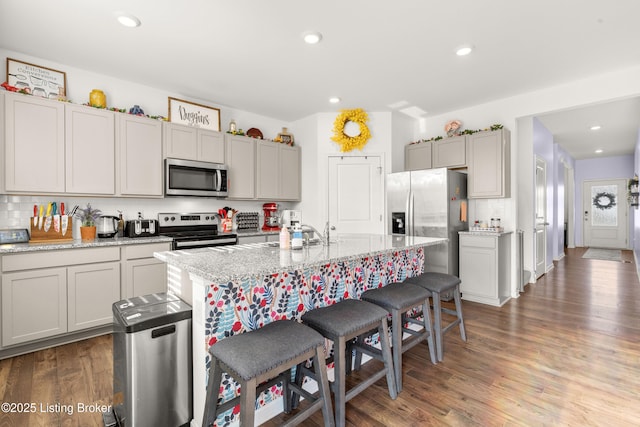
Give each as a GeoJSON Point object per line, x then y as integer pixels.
{"type": "Point", "coordinates": [173, 218]}
{"type": "Point", "coordinates": [166, 218]}
{"type": "Point", "coordinates": [206, 218]}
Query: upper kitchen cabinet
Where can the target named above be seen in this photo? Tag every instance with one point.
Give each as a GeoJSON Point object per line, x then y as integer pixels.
{"type": "Point", "coordinates": [417, 156]}
{"type": "Point", "coordinates": [189, 143]}
{"type": "Point", "coordinates": [278, 171]}
{"type": "Point", "coordinates": [34, 144]}
{"type": "Point", "coordinates": [241, 162]}
{"type": "Point", "coordinates": [488, 155]}
{"type": "Point", "coordinates": [139, 142]}
{"type": "Point", "coordinates": [449, 152]}
{"type": "Point", "coordinates": [89, 150]}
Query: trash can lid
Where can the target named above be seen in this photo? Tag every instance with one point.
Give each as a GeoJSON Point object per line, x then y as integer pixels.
{"type": "Point", "coordinates": [150, 311]}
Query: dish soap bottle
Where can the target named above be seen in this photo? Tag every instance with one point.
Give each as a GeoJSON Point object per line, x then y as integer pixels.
{"type": "Point", "coordinates": [120, 225]}
{"type": "Point", "coordinates": [296, 241]}
{"type": "Point", "coordinates": [284, 238]}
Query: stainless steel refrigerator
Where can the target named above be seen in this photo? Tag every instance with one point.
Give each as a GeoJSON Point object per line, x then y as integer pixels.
{"type": "Point", "coordinates": [431, 203]}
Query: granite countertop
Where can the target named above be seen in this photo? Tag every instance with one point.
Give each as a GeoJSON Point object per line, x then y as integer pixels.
{"type": "Point", "coordinates": [225, 263]}
{"type": "Point", "coordinates": [79, 244]}
{"type": "Point", "coordinates": [251, 233]}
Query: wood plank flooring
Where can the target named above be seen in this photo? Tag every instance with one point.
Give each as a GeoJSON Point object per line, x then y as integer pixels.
{"type": "Point", "coordinates": [567, 352]}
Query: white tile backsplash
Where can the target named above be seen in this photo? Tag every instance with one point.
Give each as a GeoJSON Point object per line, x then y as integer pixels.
{"type": "Point", "coordinates": [15, 211]}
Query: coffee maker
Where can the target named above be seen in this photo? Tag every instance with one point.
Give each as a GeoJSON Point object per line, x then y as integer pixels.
{"type": "Point", "coordinates": [291, 219]}
{"type": "Point", "coordinates": [271, 217]}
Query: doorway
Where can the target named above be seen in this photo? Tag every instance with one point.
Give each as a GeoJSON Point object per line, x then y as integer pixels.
{"type": "Point", "coordinates": [356, 196]}
{"type": "Point", "coordinates": [605, 219]}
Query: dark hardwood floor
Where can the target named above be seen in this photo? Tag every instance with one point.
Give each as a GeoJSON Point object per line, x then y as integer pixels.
{"type": "Point", "coordinates": [566, 353]}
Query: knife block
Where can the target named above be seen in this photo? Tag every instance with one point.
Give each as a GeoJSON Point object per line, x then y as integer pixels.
{"type": "Point", "coordinates": [51, 236]}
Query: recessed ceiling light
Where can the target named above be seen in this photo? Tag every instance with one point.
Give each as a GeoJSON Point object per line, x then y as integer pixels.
{"type": "Point", "coordinates": [127, 19]}
{"type": "Point", "coordinates": [596, 127]}
{"type": "Point", "coordinates": [334, 100]}
{"type": "Point", "coordinates": [312, 37]}
{"type": "Point", "coordinates": [464, 50]}
{"type": "Point", "coordinates": [598, 151]}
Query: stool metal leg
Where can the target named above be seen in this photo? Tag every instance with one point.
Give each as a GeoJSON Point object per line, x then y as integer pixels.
{"type": "Point", "coordinates": [396, 346]}
{"type": "Point", "coordinates": [458, 302]}
{"type": "Point", "coordinates": [437, 320]}
{"type": "Point", "coordinates": [388, 358]}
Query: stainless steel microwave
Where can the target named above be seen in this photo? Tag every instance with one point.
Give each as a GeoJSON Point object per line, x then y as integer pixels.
{"type": "Point", "coordinates": [194, 178]}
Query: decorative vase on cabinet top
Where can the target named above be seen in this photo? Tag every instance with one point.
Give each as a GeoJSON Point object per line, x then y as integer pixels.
{"type": "Point", "coordinates": [98, 99]}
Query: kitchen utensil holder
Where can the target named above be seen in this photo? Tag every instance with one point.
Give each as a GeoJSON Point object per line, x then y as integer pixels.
{"type": "Point", "coordinates": [52, 236]}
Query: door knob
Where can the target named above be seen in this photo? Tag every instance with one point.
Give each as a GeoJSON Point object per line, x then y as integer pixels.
{"type": "Point", "coordinates": [333, 227]}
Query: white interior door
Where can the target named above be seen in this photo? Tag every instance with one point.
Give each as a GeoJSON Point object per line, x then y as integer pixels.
{"type": "Point", "coordinates": [356, 202]}
{"type": "Point", "coordinates": [605, 214]}
{"type": "Point", "coordinates": [541, 217]}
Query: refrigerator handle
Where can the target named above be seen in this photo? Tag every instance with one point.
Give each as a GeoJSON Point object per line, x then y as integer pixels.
{"type": "Point", "coordinates": [410, 230]}
{"type": "Point", "coordinates": [407, 214]}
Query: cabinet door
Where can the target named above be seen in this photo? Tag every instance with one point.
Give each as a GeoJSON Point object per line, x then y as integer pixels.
{"type": "Point", "coordinates": [210, 146]}
{"type": "Point", "coordinates": [145, 276]}
{"type": "Point", "coordinates": [34, 305]}
{"type": "Point", "coordinates": [34, 138]}
{"type": "Point", "coordinates": [449, 152]}
{"type": "Point", "coordinates": [180, 142]}
{"type": "Point", "coordinates": [140, 156]}
{"type": "Point", "coordinates": [267, 170]}
{"type": "Point", "coordinates": [290, 172]}
{"type": "Point", "coordinates": [89, 150]}
{"type": "Point", "coordinates": [92, 290]}
{"type": "Point", "coordinates": [417, 156]}
{"type": "Point", "coordinates": [488, 161]}
{"type": "Point", "coordinates": [478, 273]}
{"type": "Point", "coordinates": [241, 161]}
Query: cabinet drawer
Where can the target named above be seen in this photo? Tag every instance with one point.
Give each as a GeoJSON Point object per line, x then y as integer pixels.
{"type": "Point", "coordinates": [144, 251]}
{"type": "Point", "coordinates": [53, 258]}
{"type": "Point", "coordinates": [478, 241]}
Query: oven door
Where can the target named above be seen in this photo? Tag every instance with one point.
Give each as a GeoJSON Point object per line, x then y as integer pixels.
{"type": "Point", "coordinates": [193, 178]}
{"type": "Point", "coordinates": [203, 242]}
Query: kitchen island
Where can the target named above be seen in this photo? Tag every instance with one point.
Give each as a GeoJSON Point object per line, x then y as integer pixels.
{"type": "Point", "coordinates": [234, 289]}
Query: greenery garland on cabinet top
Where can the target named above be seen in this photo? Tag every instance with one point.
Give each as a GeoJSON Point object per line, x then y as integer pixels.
{"type": "Point", "coordinates": [464, 132]}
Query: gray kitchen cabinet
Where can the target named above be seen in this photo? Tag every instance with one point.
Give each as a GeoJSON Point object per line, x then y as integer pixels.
{"type": "Point", "coordinates": [417, 156]}
{"type": "Point", "coordinates": [189, 143]}
{"type": "Point", "coordinates": [51, 293]}
{"type": "Point", "coordinates": [34, 137]}
{"type": "Point", "coordinates": [139, 166]}
{"type": "Point", "coordinates": [449, 152]}
{"type": "Point", "coordinates": [241, 161]}
{"type": "Point", "coordinates": [34, 305]}
{"type": "Point", "coordinates": [143, 274]}
{"type": "Point", "coordinates": [485, 267]}
{"type": "Point", "coordinates": [488, 155]}
{"type": "Point", "coordinates": [91, 291]}
{"type": "Point", "coordinates": [278, 171]}
{"type": "Point", "coordinates": [89, 150]}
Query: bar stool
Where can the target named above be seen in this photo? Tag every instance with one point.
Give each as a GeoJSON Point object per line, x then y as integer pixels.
{"type": "Point", "coordinates": [267, 354]}
{"type": "Point", "coordinates": [348, 320]}
{"type": "Point", "coordinates": [398, 299]}
{"type": "Point", "coordinates": [438, 284]}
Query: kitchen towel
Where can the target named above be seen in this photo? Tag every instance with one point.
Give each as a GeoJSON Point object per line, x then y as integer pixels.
{"type": "Point", "coordinates": [463, 211]}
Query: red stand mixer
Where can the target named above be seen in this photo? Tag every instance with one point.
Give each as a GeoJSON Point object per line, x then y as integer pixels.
{"type": "Point", "coordinates": [271, 217]}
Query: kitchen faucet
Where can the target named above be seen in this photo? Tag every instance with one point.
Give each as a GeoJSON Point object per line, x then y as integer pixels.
{"type": "Point", "coordinates": [324, 237]}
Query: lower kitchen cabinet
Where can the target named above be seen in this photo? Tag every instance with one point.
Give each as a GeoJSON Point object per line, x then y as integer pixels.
{"type": "Point", "coordinates": [485, 267]}
{"type": "Point", "coordinates": [34, 305]}
{"type": "Point", "coordinates": [91, 290]}
{"type": "Point", "coordinates": [143, 273]}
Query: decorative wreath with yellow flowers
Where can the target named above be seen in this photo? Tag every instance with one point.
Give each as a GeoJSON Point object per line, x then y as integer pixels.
{"type": "Point", "coordinates": [348, 143]}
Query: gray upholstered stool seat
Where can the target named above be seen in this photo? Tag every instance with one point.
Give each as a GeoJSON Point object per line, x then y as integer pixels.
{"type": "Point", "coordinates": [263, 357]}
{"type": "Point", "coordinates": [343, 322]}
{"type": "Point", "coordinates": [438, 284]}
{"type": "Point", "coordinates": [398, 299]}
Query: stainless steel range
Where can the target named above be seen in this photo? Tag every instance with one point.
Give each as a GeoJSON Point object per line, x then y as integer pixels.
{"type": "Point", "coordinates": [193, 230]}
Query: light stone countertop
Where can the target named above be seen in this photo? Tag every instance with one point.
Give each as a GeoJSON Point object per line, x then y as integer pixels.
{"type": "Point", "coordinates": [226, 263]}
{"type": "Point", "coordinates": [485, 233]}
{"type": "Point", "coordinates": [79, 244]}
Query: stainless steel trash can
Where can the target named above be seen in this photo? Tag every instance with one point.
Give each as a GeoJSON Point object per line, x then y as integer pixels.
{"type": "Point", "coordinates": [152, 364]}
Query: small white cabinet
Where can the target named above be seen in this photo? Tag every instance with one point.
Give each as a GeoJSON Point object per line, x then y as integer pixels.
{"type": "Point", "coordinates": [417, 156]}
{"type": "Point", "coordinates": [190, 143]}
{"type": "Point", "coordinates": [488, 156]}
{"type": "Point", "coordinates": [485, 267]}
{"type": "Point", "coordinates": [91, 291]}
{"type": "Point", "coordinates": [449, 152]}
